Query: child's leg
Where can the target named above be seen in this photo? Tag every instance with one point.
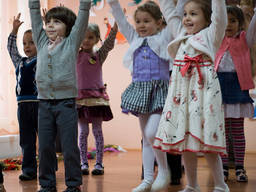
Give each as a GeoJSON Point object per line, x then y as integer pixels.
{"type": "Point", "coordinates": [2, 189]}
{"type": "Point", "coordinates": [239, 148]}
{"type": "Point", "coordinates": [83, 139]}
{"type": "Point", "coordinates": [225, 159]}
{"type": "Point", "coordinates": [148, 157]}
{"type": "Point", "coordinates": [238, 141]}
{"type": "Point", "coordinates": [1, 174]}
{"type": "Point", "coordinates": [215, 164]}
{"type": "Point", "coordinates": [149, 133]}
{"type": "Point", "coordinates": [28, 134]}
{"type": "Point", "coordinates": [46, 135]}
{"type": "Point", "coordinates": [99, 142]}
{"type": "Point", "coordinates": [99, 139]}
{"type": "Point", "coordinates": [174, 162]}
{"type": "Point", "coordinates": [190, 164]}
{"type": "Point", "coordinates": [67, 125]}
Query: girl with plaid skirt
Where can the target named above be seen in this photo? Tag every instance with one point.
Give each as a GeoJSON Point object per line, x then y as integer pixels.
{"type": "Point", "coordinates": [148, 61]}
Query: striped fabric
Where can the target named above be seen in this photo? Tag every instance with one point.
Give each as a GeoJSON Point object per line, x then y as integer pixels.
{"type": "Point", "coordinates": [235, 137]}
{"type": "Point", "coordinates": [145, 96]}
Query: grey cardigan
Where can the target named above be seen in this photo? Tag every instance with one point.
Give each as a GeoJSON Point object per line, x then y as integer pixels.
{"type": "Point", "coordinates": [56, 70]}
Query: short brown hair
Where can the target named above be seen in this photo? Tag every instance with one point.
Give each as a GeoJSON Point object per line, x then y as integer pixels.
{"type": "Point", "coordinates": [152, 8]}
{"type": "Point", "coordinates": [63, 14]}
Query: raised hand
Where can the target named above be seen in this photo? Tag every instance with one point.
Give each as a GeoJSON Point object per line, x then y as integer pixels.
{"type": "Point", "coordinates": [44, 11]}
{"type": "Point", "coordinates": [16, 24]}
{"type": "Point", "coordinates": [115, 27]}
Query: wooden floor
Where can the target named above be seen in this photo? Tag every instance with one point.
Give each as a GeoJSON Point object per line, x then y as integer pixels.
{"type": "Point", "coordinates": [123, 172]}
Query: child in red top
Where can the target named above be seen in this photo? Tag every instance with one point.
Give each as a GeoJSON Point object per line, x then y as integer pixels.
{"type": "Point", "coordinates": [233, 64]}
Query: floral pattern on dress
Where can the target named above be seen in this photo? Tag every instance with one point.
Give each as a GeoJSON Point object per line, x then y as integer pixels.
{"type": "Point", "coordinates": [193, 116]}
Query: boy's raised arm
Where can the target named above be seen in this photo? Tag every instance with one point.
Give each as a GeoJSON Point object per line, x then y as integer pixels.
{"type": "Point", "coordinates": [36, 20]}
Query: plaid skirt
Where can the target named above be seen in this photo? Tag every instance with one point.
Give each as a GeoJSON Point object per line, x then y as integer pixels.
{"type": "Point", "coordinates": [142, 97]}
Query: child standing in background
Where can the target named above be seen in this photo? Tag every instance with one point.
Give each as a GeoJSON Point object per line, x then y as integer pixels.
{"type": "Point", "coordinates": [233, 63]}
{"type": "Point", "coordinates": [26, 92]}
{"type": "Point", "coordinates": [93, 101]}
{"type": "Point", "coordinates": [57, 47]}
{"type": "Point", "coordinates": [193, 120]}
{"type": "Point", "coordinates": [148, 62]}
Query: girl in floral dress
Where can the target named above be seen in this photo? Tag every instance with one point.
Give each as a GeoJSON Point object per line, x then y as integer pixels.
{"type": "Point", "coordinates": [193, 120]}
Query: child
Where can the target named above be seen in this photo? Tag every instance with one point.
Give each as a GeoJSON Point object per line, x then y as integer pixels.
{"type": "Point", "coordinates": [148, 62]}
{"type": "Point", "coordinates": [192, 120]}
{"type": "Point", "coordinates": [93, 101]}
{"type": "Point", "coordinates": [57, 47]}
{"type": "Point", "coordinates": [26, 92]}
{"type": "Point", "coordinates": [233, 63]}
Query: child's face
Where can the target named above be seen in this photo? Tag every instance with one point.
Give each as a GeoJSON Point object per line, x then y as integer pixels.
{"type": "Point", "coordinates": [193, 19]}
{"type": "Point", "coordinates": [55, 28]}
{"type": "Point", "coordinates": [89, 41]}
{"type": "Point", "coordinates": [145, 24]}
{"type": "Point", "coordinates": [233, 26]}
{"type": "Point", "coordinates": [28, 45]}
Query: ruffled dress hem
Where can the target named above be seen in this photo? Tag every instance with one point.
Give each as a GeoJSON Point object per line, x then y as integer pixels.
{"type": "Point", "coordinates": [190, 143]}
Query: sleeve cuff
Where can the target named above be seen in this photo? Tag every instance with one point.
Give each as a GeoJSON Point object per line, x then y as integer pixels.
{"type": "Point", "coordinates": [85, 5]}
{"type": "Point", "coordinates": [13, 36]}
{"type": "Point", "coordinates": [112, 1]}
{"type": "Point", "coordinates": [34, 4]}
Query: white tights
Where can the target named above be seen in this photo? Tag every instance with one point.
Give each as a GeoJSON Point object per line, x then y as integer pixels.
{"type": "Point", "coordinates": [214, 162]}
{"type": "Point", "coordinates": [149, 124]}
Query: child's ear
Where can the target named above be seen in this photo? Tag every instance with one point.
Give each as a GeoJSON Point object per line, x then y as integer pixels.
{"type": "Point", "coordinates": [159, 24]}
{"type": "Point", "coordinates": [97, 41]}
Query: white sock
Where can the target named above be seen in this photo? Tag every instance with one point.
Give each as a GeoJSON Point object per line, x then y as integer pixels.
{"type": "Point", "coordinates": [149, 124]}
{"type": "Point", "coordinates": [215, 164]}
{"type": "Point", "coordinates": [190, 164]}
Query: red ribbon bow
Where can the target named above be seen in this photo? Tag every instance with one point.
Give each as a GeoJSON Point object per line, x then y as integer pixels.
{"type": "Point", "coordinates": [192, 62]}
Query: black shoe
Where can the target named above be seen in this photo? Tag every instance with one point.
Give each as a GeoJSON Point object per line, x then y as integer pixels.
{"type": "Point", "coordinates": [226, 174]}
{"type": "Point", "coordinates": [175, 182]}
{"type": "Point", "coordinates": [2, 189]}
{"type": "Point", "coordinates": [98, 169]}
{"type": "Point", "coordinates": [72, 189]}
{"type": "Point", "coordinates": [48, 189]}
{"type": "Point", "coordinates": [26, 177]}
{"type": "Point", "coordinates": [85, 169]}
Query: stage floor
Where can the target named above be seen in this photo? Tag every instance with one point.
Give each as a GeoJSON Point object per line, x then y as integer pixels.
{"type": "Point", "coordinates": [123, 172]}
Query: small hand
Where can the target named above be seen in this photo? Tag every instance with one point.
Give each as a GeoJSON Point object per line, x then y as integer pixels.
{"type": "Point", "coordinates": [115, 27]}
{"type": "Point", "coordinates": [44, 11]}
{"type": "Point", "coordinates": [16, 24]}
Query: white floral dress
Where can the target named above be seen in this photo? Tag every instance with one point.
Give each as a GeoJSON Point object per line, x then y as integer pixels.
{"type": "Point", "coordinates": [193, 117]}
